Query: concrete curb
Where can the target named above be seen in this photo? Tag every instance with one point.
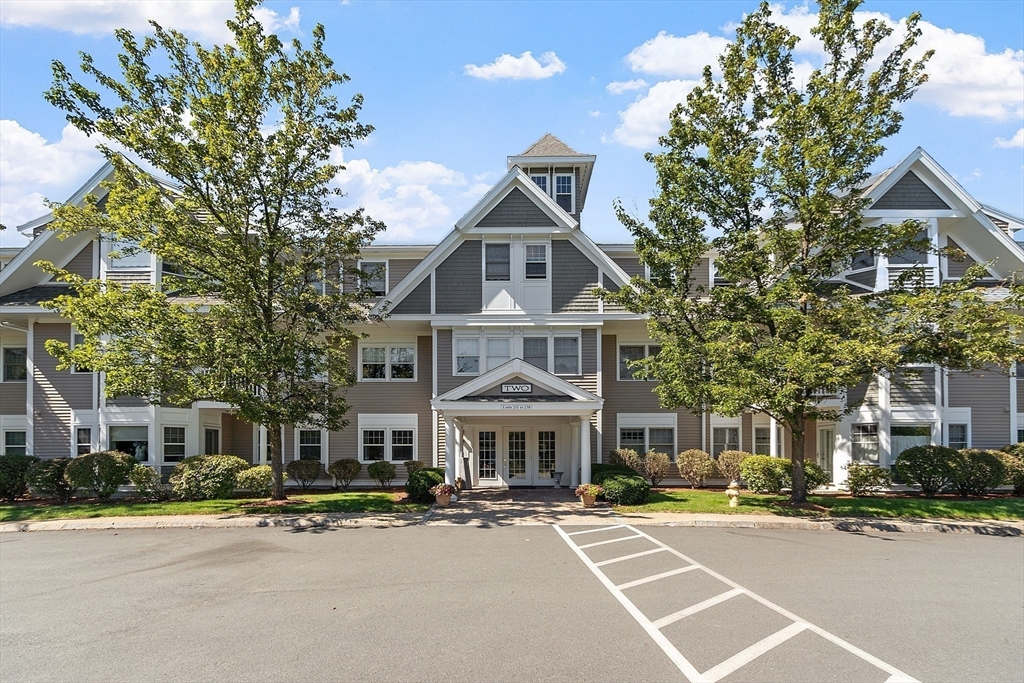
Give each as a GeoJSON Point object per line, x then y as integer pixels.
{"type": "Point", "coordinates": [349, 520]}
{"type": "Point", "coordinates": [847, 524]}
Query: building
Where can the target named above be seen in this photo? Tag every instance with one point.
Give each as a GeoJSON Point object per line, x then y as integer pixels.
{"type": "Point", "coordinates": [497, 361]}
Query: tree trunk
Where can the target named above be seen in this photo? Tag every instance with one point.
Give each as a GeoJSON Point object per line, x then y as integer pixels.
{"type": "Point", "coordinates": [275, 454]}
{"type": "Point", "coordinates": [798, 431]}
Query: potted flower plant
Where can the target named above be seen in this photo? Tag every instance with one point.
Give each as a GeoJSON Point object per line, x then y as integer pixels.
{"type": "Point", "coordinates": [588, 494]}
{"type": "Point", "coordinates": [443, 494]}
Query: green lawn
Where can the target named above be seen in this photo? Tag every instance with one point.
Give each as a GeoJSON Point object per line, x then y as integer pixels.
{"type": "Point", "coordinates": [316, 503]}
{"type": "Point", "coordinates": [699, 501]}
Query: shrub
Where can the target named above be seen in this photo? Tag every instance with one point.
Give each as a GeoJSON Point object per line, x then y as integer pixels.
{"type": "Point", "coordinates": [864, 479]}
{"type": "Point", "coordinates": [411, 466]}
{"type": "Point", "coordinates": [421, 481]}
{"type": "Point", "coordinates": [926, 467]}
{"type": "Point", "coordinates": [383, 472]}
{"type": "Point", "coordinates": [202, 477]}
{"type": "Point", "coordinates": [814, 476]}
{"type": "Point", "coordinates": [764, 474]}
{"type": "Point", "coordinates": [624, 457]}
{"type": "Point", "coordinates": [1013, 461]}
{"type": "Point", "coordinates": [599, 472]}
{"type": "Point", "coordinates": [13, 475]}
{"type": "Point", "coordinates": [975, 472]}
{"type": "Point", "coordinates": [695, 466]}
{"type": "Point", "coordinates": [344, 471]}
{"type": "Point", "coordinates": [148, 484]}
{"type": "Point", "coordinates": [49, 477]}
{"type": "Point", "coordinates": [259, 480]}
{"type": "Point", "coordinates": [626, 489]}
{"type": "Point", "coordinates": [304, 472]}
{"type": "Point", "coordinates": [728, 464]}
{"type": "Point", "coordinates": [102, 472]}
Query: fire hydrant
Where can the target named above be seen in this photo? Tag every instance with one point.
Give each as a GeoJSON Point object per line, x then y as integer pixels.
{"type": "Point", "coordinates": [734, 494]}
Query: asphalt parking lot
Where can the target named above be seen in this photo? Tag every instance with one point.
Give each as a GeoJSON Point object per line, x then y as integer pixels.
{"type": "Point", "coordinates": [508, 604]}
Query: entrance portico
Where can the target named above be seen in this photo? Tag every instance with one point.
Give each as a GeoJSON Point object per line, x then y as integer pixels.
{"type": "Point", "coordinates": [514, 426]}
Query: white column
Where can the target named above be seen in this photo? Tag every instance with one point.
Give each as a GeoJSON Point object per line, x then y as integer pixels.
{"type": "Point", "coordinates": [585, 450]}
{"type": "Point", "coordinates": [773, 436]}
{"type": "Point", "coordinates": [574, 458]}
{"type": "Point", "coordinates": [449, 450]}
{"type": "Point", "coordinates": [1013, 403]}
{"type": "Point", "coordinates": [30, 388]}
{"type": "Point", "coordinates": [460, 468]}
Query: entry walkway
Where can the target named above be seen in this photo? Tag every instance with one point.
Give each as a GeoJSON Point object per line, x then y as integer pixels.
{"type": "Point", "coordinates": [513, 507]}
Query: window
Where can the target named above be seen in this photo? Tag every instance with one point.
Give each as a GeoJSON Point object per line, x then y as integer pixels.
{"type": "Point", "coordinates": [536, 261]}
{"type": "Point", "coordinates": [77, 339]}
{"type": "Point", "coordinates": [541, 181]}
{"type": "Point", "coordinates": [131, 440]}
{"type": "Point", "coordinates": [83, 440]}
{"type": "Point", "coordinates": [958, 436]}
{"type": "Point", "coordinates": [174, 444]}
{"type": "Point", "coordinates": [310, 444]}
{"type": "Point", "coordinates": [497, 258]}
{"type": "Point", "coordinates": [467, 356]}
{"type": "Point", "coordinates": [564, 192]}
{"type": "Point", "coordinates": [862, 260]}
{"type": "Point", "coordinates": [498, 352]}
{"type": "Point", "coordinates": [911, 254]}
{"type": "Point", "coordinates": [634, 353]}
{"type": "Point", "coordinates": [632, 437]}
{"type": "Point", "coordinates": [865, 443]}
{"type": "Point", "coordinates": [375, 278]}
{"type": "Point", "coordinates": [535, 351]}
{"type": "Point", "coordinates": [15, 364]}
{"type": "Point", "coordinates": [762, 440]}
{"type": "Point", "coordinates": [567, 361]}
{"type": "Point", "coordinates": [908, 436]}
{"type": "Point", "coordinates": [139, 259]}
{"type": "Point", "coordinates": [395, 442]}
{"type": "Point", "coordinates": [402, 444]}
{"type": "Point", "coordinates": [15, 443]}
{"type": "Point", "coordinates": [643, 439]}
{"type": "Point", "coordinates": [387, 362]}
{"type": "Point", "coordinates": [211, 439]}
{"type": "Point", "coordinates": [373, 444]}
{"type": "Point", "coordinates": [724, 439]}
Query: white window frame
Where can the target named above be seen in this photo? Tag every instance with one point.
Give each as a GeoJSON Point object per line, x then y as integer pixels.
{"type": "Point", "coordinates": [3, 351]}
{"type": "Point", "coordinates": [481, 359]}
{"type": "Point", "coordinates": [387, 346]}
{"type": "Point", "coordinates": [486, 355]}
{"type": "Point", "coordinates": [739, 436]}
{"type": "Point", "coordinates": [878, 438]}
{"type": "Point", "coordinates": [547, 184]}
{"type": "Point", "coordinates": [150, 455]}
{"type": "Point", "coordinates": [572, 186]}
{"type": "Point", "coordinates": [324, 435]}
{"type": "Point", "coordinates": [387, 271]}
{"type": "Point", "coordinates": [3, 445]}
{"type": "Point", "coordinates": [118, 264]}
{"type": "Point", "coordinates": [618, 359]}
{"type": "Point", "coordinates": [499, 243]}
{"type": "Point", "coordinates": [388, 422]}
{"type": "Point", "coordinates": [647, 421]}
{"type": "Point", "coordinates": [547, 261]}
{"type": "Point", "coordinates": [579, 354]}
{"type": "Point", "coordinates": [967, 433]}
{"type": "Point", "coordinates": [93, 433]}
{"type": "Point", "coordinates": [164, 443]}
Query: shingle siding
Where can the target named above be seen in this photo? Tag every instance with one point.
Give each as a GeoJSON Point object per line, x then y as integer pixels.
{"type": "Point", "coordinates": [958, 268]}
{"type": "Point", "coordinates": [630, 264]}
{"type": "Point", "coordinates": [516, 210]}
{"type": "Point", "coordinates": [459, 288]}
{"type": "Point", "coordinates": [573, 279]}
{"type": "Point", "coordinates": [864, 277]}
{"type": "Point", "coordinates": [987, 394]}
{"type": "Point", "coordinates": [416, 302]}
{"type": "Point", "coordinates": [909, 193]}
{"type": "Point", "coordinates": [82, 263]}
{"type": "Point", "coordinates": [398, 268]}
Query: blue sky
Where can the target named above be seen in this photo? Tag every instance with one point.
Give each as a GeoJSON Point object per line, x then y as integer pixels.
{"type": "Point", "coordinates": [452, 92]}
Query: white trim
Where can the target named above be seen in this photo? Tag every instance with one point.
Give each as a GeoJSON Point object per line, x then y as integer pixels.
{"type": "Point", "coordinates": [387, 272]}
{"type": "Point", "coordinates": [388, 423]}
{"type": "Point", "coordinates": [572, 189]}
{"type": "Point", "coordinates": [15, 345]}
{"type": "Point", "coordinates": [516, 178]}
{"type": "Point", "coordinates": [618, 358]}
{"type": "Point", "coordinates": [15, 430]}
{"type": "Point", "coordinates": [30, 386]}
{"type": "Point", "coordinates": [514, 367]}
{"type": "Point", "coordinates": [387, 346]}
{"type": "Point", "coordinates": [324, 436]}
{"type": "Point", "coordinates": [647, 421]}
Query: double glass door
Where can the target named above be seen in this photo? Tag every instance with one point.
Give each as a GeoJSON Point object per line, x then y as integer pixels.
{"type": "Point", "coordinates": [515, 456]}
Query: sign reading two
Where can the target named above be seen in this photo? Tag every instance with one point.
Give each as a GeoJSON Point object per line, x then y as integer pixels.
{"type": "Point", "coordinates": [517, 388]}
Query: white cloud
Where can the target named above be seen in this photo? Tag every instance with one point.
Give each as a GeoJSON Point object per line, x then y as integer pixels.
{"type": "Point", "coordinates": [677, 56]}
{"type": "Point", "coordinates": [202, 19]}
{"type": "Point", "coordinates": [31, 168]}
{"type": "Point", "coordinates": [1016, 141]}
{"type": "Point", "coordinates": [619, 87]}
{"type": "Point", "coordinates": [523, 67]}
{"type": "Point", "coordinates": [594, 113]}
{"type": "Point", "coordinates": [416, 200]}
{"type": "Point", "coordinates": [647, 117]}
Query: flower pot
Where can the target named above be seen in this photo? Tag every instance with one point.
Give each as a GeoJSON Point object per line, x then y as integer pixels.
{"type": "Point", "coordinates": [443, 500]}
{"type": "Point", "coordinates": [588, 501]}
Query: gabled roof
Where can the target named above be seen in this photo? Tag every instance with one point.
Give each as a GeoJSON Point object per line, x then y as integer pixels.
{"type": "Point", "coordinates": [550, 146]}
{"type": "Point", "coordinates": [515, 178]}
{"type": "Point", "coordinates": [518, 368]}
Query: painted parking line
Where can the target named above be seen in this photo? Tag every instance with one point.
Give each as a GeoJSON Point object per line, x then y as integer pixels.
{"type": "Point", "coordinates": [654, 628]}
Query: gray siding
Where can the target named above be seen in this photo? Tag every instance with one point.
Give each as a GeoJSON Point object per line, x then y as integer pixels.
{"type": "Point", "coordinates": [82, 263]}
{"type": "Point", "coordinates": [236, 437]}
{"type": "Point", "coordinates": [630, 264]}
{"type": "Point", "coordinates": [459, 287]}
{"type": "Point", "coordinates": [573, 279]}
{"type": "Point", "coordinates": [588, 349]}
{"type": "Point", "coordinates": [610, 307]}
{"type": "Point", "coordinates": [987, 394]}
{"type": "Point", "coordinates": [701, 276]}
{"type": "Point", "coordinates": [865, 393]}
{"type": "Point", "coordinates": [864, 277]}
{"type": "Point", "coordinates": [958, 268]}
{"type": "Point", "coordinates": [12, 398]}
{"type": "Point", "coordinates": [398, 268]}
{"type": "Point", "coordinates": [909, 192]}
{"type": "Point", "coordinates": [912, 389]}
{"type": "Point", "coordinates": [415, 302]}
{"type": "Point", "coordinates": [56, 394]}
{"type": "Point", "coordinates": [516, 210]}
{"type": "Point", "coordinates": [446, 381]}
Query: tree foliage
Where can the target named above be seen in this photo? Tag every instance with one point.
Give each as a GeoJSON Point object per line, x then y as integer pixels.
{"type": "Point", "coordinates": [244, 141]}
{"type": "Point", "coordinates": [767, 173]}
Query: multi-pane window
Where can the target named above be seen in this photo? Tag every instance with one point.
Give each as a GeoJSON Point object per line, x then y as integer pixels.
{"type": "Point", "coordinates": [912, 254]}
{"type": "Point", "coordinates": [541, 181]}
{"type": "Point", "coordinates": [497, 259]}
{"type": "Point", "coordinates": [387, 443]}
{"type": "Point", "coordinates": [498, 352]}
{"type": "Point", "coordinates": [15, 364]}
{"type": "Point", "coordinates": [15, 443]}
{"type": "Point", "coordinates": [633, 437]}
{"type": "Point", "coordinates": [535, 351]}
{"type": "Point", "coordinates": [487, 455]}
{"type": "Point", "coordinates": [131, 440]}
{"type": "Point", "coordinates": [388, 362]}
{"type": "Point", "coordinates": [129, 256]}
{"type": "Point", "coordinates": [545, 454]}
{"type": "Point", "coordinates": [373, 444]}
{"type": "Point", "coordinates": [643, 439]}
{"type": "Point", "coordinates": [211, 442]}
{"type": "Point", "coordinates": [311, 444]}
{"type": "Point", "coordinates": [958, 436]}
{"type": "Point", "coordinates": [402, 444]}
{"type": "Point", "coordinates": [467, 356]}
{"type": "Point", "coordinates": [83, 440]}
{"type": "Point", "coordinates": [864, 439]}
{"type": "Point", "coordinates": [567, 361]}
{"type": "Point", "coordinates": [536, 261]}
{"type": "Point", "coordinates": [563, 192]}
{"type": "Point", "coordinates": [724, 439]}
{"type": "Point", "coordinates": [375, 278]}
{"type": "Point", "coordinates": [762, 440]}
{"type": "Point", "coordinates": [174, 444]}
{"type": "Point", "coordinates": [634, 352]}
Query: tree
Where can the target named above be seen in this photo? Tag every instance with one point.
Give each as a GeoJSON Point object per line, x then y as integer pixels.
{"type": "Point", "coordinates": [769, 175]}
{"type": "Point", "coordinates": [249, 310]}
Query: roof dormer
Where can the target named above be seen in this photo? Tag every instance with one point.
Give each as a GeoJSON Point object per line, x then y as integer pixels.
{"type": "Point", "coordinates": [559, 170]}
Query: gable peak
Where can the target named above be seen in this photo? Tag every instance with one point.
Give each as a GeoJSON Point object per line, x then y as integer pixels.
{"type": "Point", "coordinates": [550, 146]}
